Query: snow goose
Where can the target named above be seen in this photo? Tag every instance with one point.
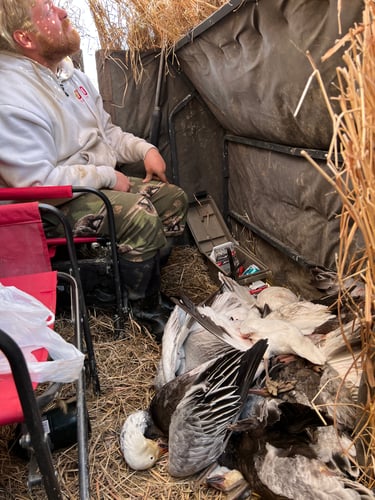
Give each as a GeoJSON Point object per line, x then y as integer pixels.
{"type": "Point", "coordinates": [241, 292]}
{"type": "Point", "coordinates": [189, 340]}
{"type": "Point", "coordinates": [342, 348]}
{"type": "Point", "coordinates": [132, 437]}
{"type": "Point", "coordinates": [275, 297]}
{"type": "Point", "coordinates": [305, 315]}
{"type": "Point", "coordinates": [283, 338]}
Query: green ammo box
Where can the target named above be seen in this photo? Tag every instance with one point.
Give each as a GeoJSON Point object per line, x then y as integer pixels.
{"type": "Point", "coordinates": [214, 239]}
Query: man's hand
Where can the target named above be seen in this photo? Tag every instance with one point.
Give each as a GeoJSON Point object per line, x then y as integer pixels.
{"type": "Point", "coordinates": [154, 166]}
{"type": "Point", "coordinates": [122, 183]}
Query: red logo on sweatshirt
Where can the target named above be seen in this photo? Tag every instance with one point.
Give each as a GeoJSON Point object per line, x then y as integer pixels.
{"type": "Point", "coordinates": [78, 93]}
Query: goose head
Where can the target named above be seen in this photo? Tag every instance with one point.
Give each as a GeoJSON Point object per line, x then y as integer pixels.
{"type": "Point", "coordinates": [140, 452]}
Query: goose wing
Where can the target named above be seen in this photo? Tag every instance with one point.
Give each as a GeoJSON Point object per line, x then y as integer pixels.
{"type": "Point", "coordinates": [200, 346]}
{"type": "Point", "coordinates": [173, 357]}
{"type": "Point", "coordinates": [190, 308]}
{"type": "Point", "coordinates": [217, 324]}
{"type": "Point", "coordinates": [242, 292]}
{"type": "Point", "coordinates": [199, 425]}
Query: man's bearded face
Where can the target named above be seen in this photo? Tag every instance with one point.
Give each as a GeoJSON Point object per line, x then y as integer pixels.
{"type": "Point", "coordinates": [57, 45]}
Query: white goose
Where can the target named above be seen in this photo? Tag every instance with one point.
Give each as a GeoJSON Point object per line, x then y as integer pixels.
{"type": "Point", "coordinates": [342, 347]}
{"type": "Point", "coordinates": [275, 297]}
{"type": "Point", "coordinates": [283, 338]}
{"type": "Point", "coordinates": [240, 292]}
{"type": "Point", "coordinates": [305, 315]}
{"type": "Point", "coordinates": [132, 437]}
{"type": "Point", "coordinates": [282, 303]}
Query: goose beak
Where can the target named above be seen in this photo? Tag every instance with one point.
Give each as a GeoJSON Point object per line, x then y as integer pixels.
{"type": "Point", "coordinates": [163, 448]}
{"type": "Point", "coordinates": [225, 480]}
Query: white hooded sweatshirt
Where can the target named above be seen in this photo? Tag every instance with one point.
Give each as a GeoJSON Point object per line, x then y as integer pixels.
{"type": "Point", "coordinates": [55, 131]}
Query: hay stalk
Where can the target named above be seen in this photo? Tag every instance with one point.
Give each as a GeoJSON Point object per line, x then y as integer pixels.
{"type": "Point", "coordinates": [354, 181]}
{"type": "Point", "coordinates": [140, 25]}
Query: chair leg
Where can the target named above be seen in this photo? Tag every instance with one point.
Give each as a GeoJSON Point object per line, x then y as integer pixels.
{"type": "Point", "coordinates": [82, 415]}
{"type": "Point", "coordinates": [83, 309]}
{"type": "Point", "coordinates": [82, 439]}
{"type": "Point", "coordinates": [122, 311]}
{"type": "Point", "coordinates": [39, 440]}
{"type": "Point", "coordinates": [89, 346]}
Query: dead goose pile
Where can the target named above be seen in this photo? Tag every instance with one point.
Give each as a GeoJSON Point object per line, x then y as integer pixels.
{"type": "Point", "coordinates": [286, 427]}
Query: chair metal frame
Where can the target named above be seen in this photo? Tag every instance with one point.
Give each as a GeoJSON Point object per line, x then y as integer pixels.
{"type": "Point", "coordinates": [32, 414]}
{"type": "Point", "coordinates": [76, 273]}
{"type": "Point", "coordinates": [25, 392]}
{"type": "Point", "coordinates": [121, 306]}
{"type": "Point", "coordinates": [25, 194]}
{"type": "Point", "coordinates": [36, 439]}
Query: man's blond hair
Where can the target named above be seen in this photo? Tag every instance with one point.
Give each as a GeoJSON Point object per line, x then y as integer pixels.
{"type": "Point", "coordinates": [14, 15]}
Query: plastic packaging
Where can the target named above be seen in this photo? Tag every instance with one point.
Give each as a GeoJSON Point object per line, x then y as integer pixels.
{"type": "Point", "coordinates": [26, 320]}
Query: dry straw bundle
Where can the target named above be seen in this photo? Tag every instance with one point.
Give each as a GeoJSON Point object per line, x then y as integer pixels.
{"type": "Point", "coordinates": [140, 25]}
{"type": "Point", "coordinates": [354, 181]}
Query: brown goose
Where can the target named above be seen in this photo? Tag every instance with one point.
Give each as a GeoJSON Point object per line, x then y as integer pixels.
{"type": "Point", "coordinates": [285, 451]}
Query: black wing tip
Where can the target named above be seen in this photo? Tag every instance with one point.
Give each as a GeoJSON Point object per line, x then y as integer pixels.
{"type": "Point", "coordinates": [260, 346]}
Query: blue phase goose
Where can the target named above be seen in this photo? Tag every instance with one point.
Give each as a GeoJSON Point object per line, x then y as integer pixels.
{"type": "Point", "coordinates": [286, 451]}
{"type": "Point", "coordinates": [194, 410]}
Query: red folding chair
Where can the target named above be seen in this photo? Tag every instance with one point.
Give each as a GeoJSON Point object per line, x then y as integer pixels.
{"type": "Point", "coordinates": [25, 263]}
{"type": "Point", "coordinates": [65, 193]}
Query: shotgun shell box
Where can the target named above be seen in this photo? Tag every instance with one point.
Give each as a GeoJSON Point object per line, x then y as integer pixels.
{"type": "Point", "coordinates": [221, 257]}
{"type": "Point", "coordinates": [220, 250]}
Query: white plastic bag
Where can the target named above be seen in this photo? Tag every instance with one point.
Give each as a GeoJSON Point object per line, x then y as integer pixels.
{"type": "Point", "coordinates": [26, 320]}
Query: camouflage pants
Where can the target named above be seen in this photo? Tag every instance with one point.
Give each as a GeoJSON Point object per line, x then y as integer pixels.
{"type": "Point", "coordinates": [144, 217]}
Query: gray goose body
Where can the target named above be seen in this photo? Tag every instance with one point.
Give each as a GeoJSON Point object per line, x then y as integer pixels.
{"type": "Point", "coordinates": [196, 408]}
